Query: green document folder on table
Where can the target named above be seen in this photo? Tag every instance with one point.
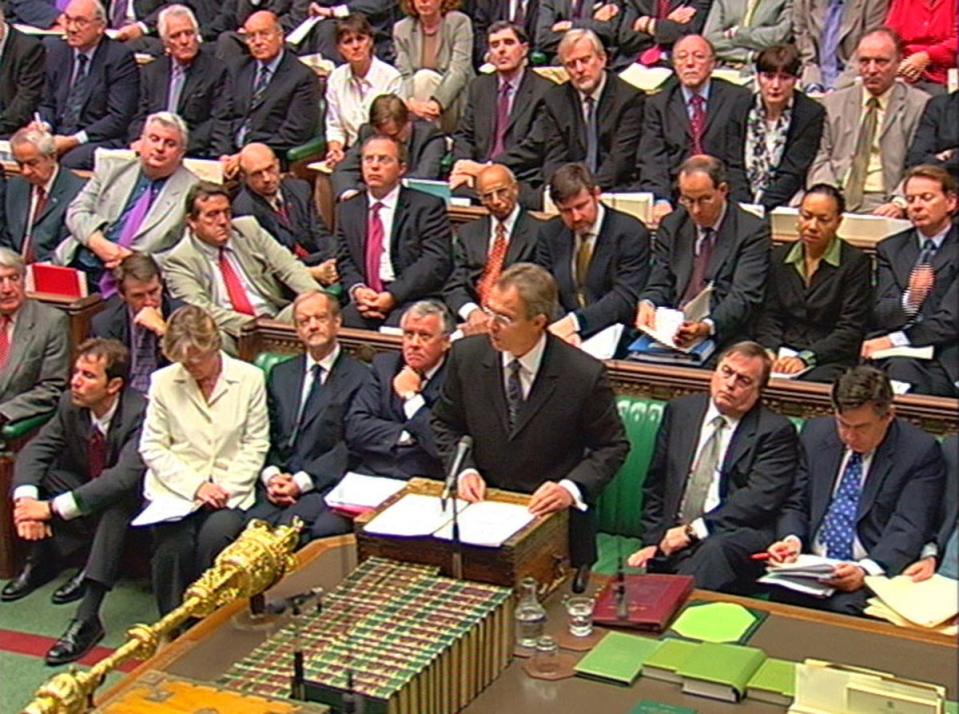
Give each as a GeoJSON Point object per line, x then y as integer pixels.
{"type": "Point", "coordinates": [774, 682]}
{"type": "Point", "coordinates": [717, 622]}
{"type": "Point", "coordinates": [720, 671]}
{"type": "Point", "coordinates": [668, 658]}
{"type": "Point", "coordinates": [618, 658]}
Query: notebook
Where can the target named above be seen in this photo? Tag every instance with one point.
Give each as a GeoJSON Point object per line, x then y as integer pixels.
{"type": "Point", "coordinates": [720, 671]}
{"type": "Point", "coordinates": [618, 658]}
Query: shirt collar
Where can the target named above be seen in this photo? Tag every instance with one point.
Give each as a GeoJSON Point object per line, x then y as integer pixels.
{"type": "Point", "coordinates": [531, 360]}
{"type": "Point", "coordinates": [797, 254]}
{"type": "Point", "coordinates": [103, 423]}
{"type": "Point", "coordinates": [48, 186]}
{"type": "Point", "coordinates": [212, 252]}
{"type": "Point", "coordinates": [719, 221]}
{"type": "Point", "coordinates": [712, 412]}
{"type": "Point", "coordinates": [937, 239]}
{"type": "Point", "coordinates": [883, 98]}
{"type": "Point", "coordinates": [508, 222]}
{"type": "Point", "coordinates": [514, 81]}
{"type": "Point", "coordinates": [326, 364]}
{"type": "Point", "coordinates": [597, 224]}
{"type": "Point", "coordinates": [431, 372]}
{"type": "Point", "coordinates": [703, 92]}
{"type": "Point", "coordinates": [272, 64]}
{"type": "Point", "coordinates": [597, 91]}
{"type": "Point", "coordinates": [389, 200]}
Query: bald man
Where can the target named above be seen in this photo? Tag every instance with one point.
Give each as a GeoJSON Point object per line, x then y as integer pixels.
{"type": "Point", "coordinates": [489, 245]}
{"type": "Point", "coordinates": [284, 207]}
{"type": "Point", "coordinates": [91, 88]}
{"type": "Point", "coordinates": [271, 97]}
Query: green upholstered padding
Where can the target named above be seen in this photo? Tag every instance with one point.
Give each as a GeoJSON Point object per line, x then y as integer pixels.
{"type": "Point", "coordinates": [610, 548]}
{"type": "Point", "coordinates": [537, 58]}
{"type": "Point", "coordinates": [18, 429]}
{"type": "Point", "coordinates": [315, 147]}
{"type": "Point", "coordinates": [621, 503]}
{"type": "Point", "coordinates": [268, 360]}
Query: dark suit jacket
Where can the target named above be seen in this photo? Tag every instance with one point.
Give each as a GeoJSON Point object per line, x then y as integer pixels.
{"type": "Point", "coordinates": [568, 427]}
{"type": "Point", "coordinates": [376, 420]}
{"type": "Point", "coordinates": [618, 269]}
{"type": "Point", "coordinates": [113, 322]}
{"type": "Point", "coordinates": [218, 16]}
{"type": "Point", "coordinates": [802, 143]}
{"type": "Point", "coordinates": [756, 475]}
{"type": "Point", "coordinates": [550, 12]}
{"type": "Point", "coordinates": [938, 321]}
{"type": "Point", "coordinates": [21, 80]}
{"type": "Point", "coordinates": [632, 43]}
{"type": "Point", "coordinates": [305, 229]}
{"type": "Point", "coordinates": [201, 98]}
{"type": "Point", "coordinates": [476, 131]}
{"type": "Point", "coordinates": [43, 13]}
{"type": "Point", "coordinates": [381, 14]}
{"type": "Point", "coordinates": [50, 230]}
{"type": "Point", "coordinates": [62, 443]}
{"type": "Point", "coordinates": [827, 317]}
{"type": "Point", "coordinates": [938, 130]}
{"type": "Point", "coordinates": [667, 137]}
{"type": "Point", "coordinates": [319, 448]}
{"type": "Point", "coordinates": [558, 136]}
{"type": "Point", "coordinates": [424, 153]}
{"type": "Point", "coordinates": [286, 115]}
{"type": "Point", "coordinates": [471, 251]}
{"type": "Point", "coordinates": [112, 91]}
{"type": "Point", "coordinates": [737, 268]}
{"type": "Point", "coordinates": [420, 245]}
{"type": "Point", "coordinates": [485, 12]}
{"type": "Point", "coordinates": [948, 515]}
{"type": "Point", "coordinates": [900, 497]}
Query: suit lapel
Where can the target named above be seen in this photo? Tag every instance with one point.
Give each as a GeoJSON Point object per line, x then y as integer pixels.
{"type": "Point", "coordinates": [576, 112]}
{"type": "Point", "coordinates": [23, 332]}
{"type": "Point", "coordinates": [495, 384]}
{"type": "Point", "coordinates": [18, 195]}
{"type": "Point", "coordinates": [523, 239]}
{"type": "Point", "coordinates": [520, 97]}
{"type": "Point", "coordinates": [948, 252]}
{"type": "Point", "coordinates": [725, 237]}
{"type": "Point", "coordinates": [599, 263]}
{"type": "Point", "coordinates": [563, 266]}
{"type": "Point", "coordinates": [897, 102]}
{"type": "Point", "coordinates": [823, 483]}
{"type": "Point", "coordinates": [683, 255]}
{"type": "Point", "coordinates": [169, 198]}
{"type": "Point", "coordinates": [882, 461]}
{"type": "Point", "coordinates": [688, 437]}
{"type": "Point", "coordinates": [717, 98]}
{"type": "Point", "coordinates": [399, 218]}
{"type": "Point", "coordinates": [677, 108]}
{"type": "Point", "coordinates": [543, 387]}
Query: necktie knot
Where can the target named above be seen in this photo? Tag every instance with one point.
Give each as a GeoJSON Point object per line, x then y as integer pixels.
{"type": "Point", "coordinates": [375, 208]}
{"type": "Point", "coordinates": [317, 370]}
{"type": "Point", "coordinates": [505, 88]}
{"type": "Point", "coordinates": [872, 103]}
{"type": "Point", "coordinates": [718, 422]}
{"type": "Point", "coordinates": [514, 368]}
{"type": "Point", "coordinates": [697, 101]}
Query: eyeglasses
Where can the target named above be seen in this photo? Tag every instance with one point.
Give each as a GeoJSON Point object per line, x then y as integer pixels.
{"type": "Point", "coordinates": [700, 202]}
{"type": "Point", "coordinates": [497, 194]}
{"type": "Point", "coordinates": [498, 317]}
{"type": "Point", "coordinates": [78, 22]}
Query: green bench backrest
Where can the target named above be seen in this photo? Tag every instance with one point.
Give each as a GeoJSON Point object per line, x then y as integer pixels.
{"type": "Point", "coordinates": [268, 360]}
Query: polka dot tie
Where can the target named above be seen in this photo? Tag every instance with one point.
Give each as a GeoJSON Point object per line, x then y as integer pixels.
{"type": "Point", "coordinates": [839, 525]}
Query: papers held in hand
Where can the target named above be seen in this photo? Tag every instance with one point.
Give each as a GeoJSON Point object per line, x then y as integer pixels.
{"type": "Point", "coordinates": [930, 603]}
{"type": "Point", "coordinates": [486, 523]}
{"type": "Point", "coordinates": [782, 354]}
{"type": "Point", "coordinates": [669, 320]}
{"type": "Point", "coordinates": [360, 492]}
{"type": "Point", "coordinates": [805, 575]}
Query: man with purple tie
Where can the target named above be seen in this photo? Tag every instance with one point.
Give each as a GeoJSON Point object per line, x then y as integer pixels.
{"type": "Point", "coordinates": [130, 205]}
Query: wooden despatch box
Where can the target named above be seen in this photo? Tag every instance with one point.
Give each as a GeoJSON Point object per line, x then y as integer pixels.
{"type": "Point", "coordinates": [540, 550]}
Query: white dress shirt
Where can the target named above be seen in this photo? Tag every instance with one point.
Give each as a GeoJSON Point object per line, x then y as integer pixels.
{"type": "Point", "coordinates": [713, 498]}
{"type": "Point", "coordinates": [220, 296]}
{"type": "Point", "coordinates": [348, 98]}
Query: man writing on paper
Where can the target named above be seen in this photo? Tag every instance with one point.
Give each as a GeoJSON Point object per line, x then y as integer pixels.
{"type": "Point", "coordinates": [541, 412]}
{"type": "Point", "coordinates": [709, 241]}
{"type": "Point", "coordinates": [917, 292]}
{"type": "Point", "coordinates": [722, 467]}
{"type": "Point", "coordinates": [308, 398]}
{"type": "Point", "coordinates": [867, 492]}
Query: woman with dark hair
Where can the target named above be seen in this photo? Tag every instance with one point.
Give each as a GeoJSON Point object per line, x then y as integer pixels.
{"type": "Point", "coordinates": [818, 294]}
{"type": "Point", "coordinates": [434, 48]}
{"type": "Point", "coordinates": [783, 129]}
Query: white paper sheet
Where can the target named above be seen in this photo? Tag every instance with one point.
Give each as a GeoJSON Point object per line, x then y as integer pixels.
{"type": "Point", "coordinates": [165, 510]}
{"type": "Point", "coordinates": [488, 523]}
{"type": "Point", "coordinates": [603, 344]}
{"type": "Point", "coordinates": [912, 352]}
{"type": "Point", "coordinates": [414, 515]}
{"type": "Point", "coordinates": [363, 491]}
{"type": "Point", "coordinates": [927, 604]}
{"type": "Point", "coordinates": [299, 33]}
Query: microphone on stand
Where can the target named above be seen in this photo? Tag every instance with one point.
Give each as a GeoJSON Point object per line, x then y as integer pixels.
{"type": "Point", "coordinates": [463, 447]}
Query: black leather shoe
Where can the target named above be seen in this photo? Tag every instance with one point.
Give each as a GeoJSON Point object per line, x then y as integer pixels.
{"type": "Point", "coordinates": [80, 638]}
{"type": "Point", "coordinates": [71, 591]}
{"type": "Point", "coordinates": [29, 579]}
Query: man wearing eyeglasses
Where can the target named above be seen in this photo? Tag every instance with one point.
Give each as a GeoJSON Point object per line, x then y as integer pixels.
{"type": "Point", "coordinates": [541, 413]}
{"type": "Point", "coordinates": [91, 89]}
{"type": "Point", "coordinates": [487, 246]}
{"type": "Point", "coordinates": [709, 241]}
{"type": "Point", "coordinates": [722, 467]}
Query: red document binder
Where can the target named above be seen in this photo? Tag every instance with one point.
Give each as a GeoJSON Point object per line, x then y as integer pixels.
{"type": "Point", "coordinates": [56, 280]}
{"type": "Point", "coordinates": [651, 601]}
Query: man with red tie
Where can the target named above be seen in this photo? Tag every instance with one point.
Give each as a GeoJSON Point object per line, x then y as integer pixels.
{"type": "Point", "coordinates": [393, 244]}
{"type": "Point", "coordinates": [76, 485]}
{"type": "Point", "coordinates": [488, 245]}
{"type": "Point", "coordinates": [231, 267]}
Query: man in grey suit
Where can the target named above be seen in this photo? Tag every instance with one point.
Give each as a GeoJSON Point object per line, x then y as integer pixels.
{"type": "Point", "coordinates": [31, 217]}
{"type": "Point", "coordinates": [131, 205]}
{"type": "Point", "coordinates": [740, 29]}
{"type": "Point", "coordinates": [868, 130]}
{"type": "Point", "coordinates": [827, 32]}
{"type": "Point", "coordinates": [33, 347]}
{"type": "Point", "coordinates": [231, 267]}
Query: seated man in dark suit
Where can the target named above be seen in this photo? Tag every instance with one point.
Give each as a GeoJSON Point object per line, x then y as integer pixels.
{"type": "Point", "coordinates": [486, 13]}
{"type": "Point", "coordinates": [917, 290]}
{"type": "Point", "coordinates": [936, 140]}
{"type": "Point", "coordinates": [284, 208]}
{"type": "Point", "coordinates": [132, 22]}
{"type": "Point", "coordinates": [91, 87]}
{"type": "Point", "coordinates": [487, 246]}
{"type": "Point", "coordinates": [501, 107]}
{"type": "Point", "coordinates": [77, 485]}
{"type": "Point", "coordinates": [187, 80]}
{"type": "Point", "coordinates": [722, 467]}
{"type": "Point", "coordinates": [867, 492]}
{"type": "Point", "coordinates": [598, 256]}
{"type": "Point", "coordinates": [271, 96]}
{"type": "Point", "coordinates": [309, 397]}
{"type": "Point", "coordinates": [393, 244]}
{"type": "Point", "coordinates": [425, 145]}
{"type": "Point", "coordinates": [555, 18]}
{"type": "Point", "coordinates": [595, 118]}
{"type": "Point", "coordinates": [694, 115]}
{"type": "Point", "coordinates": [541, 413]}
{"type": "Point", "coordinates": [939, 554]}
{"type": "Point", "coordinates": [36, 201]}
{"type": "Point", "coordinates": [649, 29]}
{"type": "Point", "coordinates": [34, 349]}
{"type": "Point", "coordinates": [136, 317]}
{"type": "Point", "coordinates": [388, 427]}
{"type": "Point", "coordinates": [709, 241]}
{"type": "Point", "coordinates": [21, 77]}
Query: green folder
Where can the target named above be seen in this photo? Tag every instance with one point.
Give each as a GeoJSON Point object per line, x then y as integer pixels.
{"type": "Point", "coordinates": [648, 706]}
{"type": "Point", "coordinates": [720, 671]}
{"type": "Point", "coordinates": [774, 682]}
{"type": "Point", "coordinates": [617, 658]}
{"type": "Point", "coordinates": [667, 659]}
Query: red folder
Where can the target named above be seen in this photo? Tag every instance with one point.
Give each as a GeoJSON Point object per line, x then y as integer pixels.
{"type": "Point", "coordinates": [651, 601]}
{"type": "Point", "coordinates": [56, 280]}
